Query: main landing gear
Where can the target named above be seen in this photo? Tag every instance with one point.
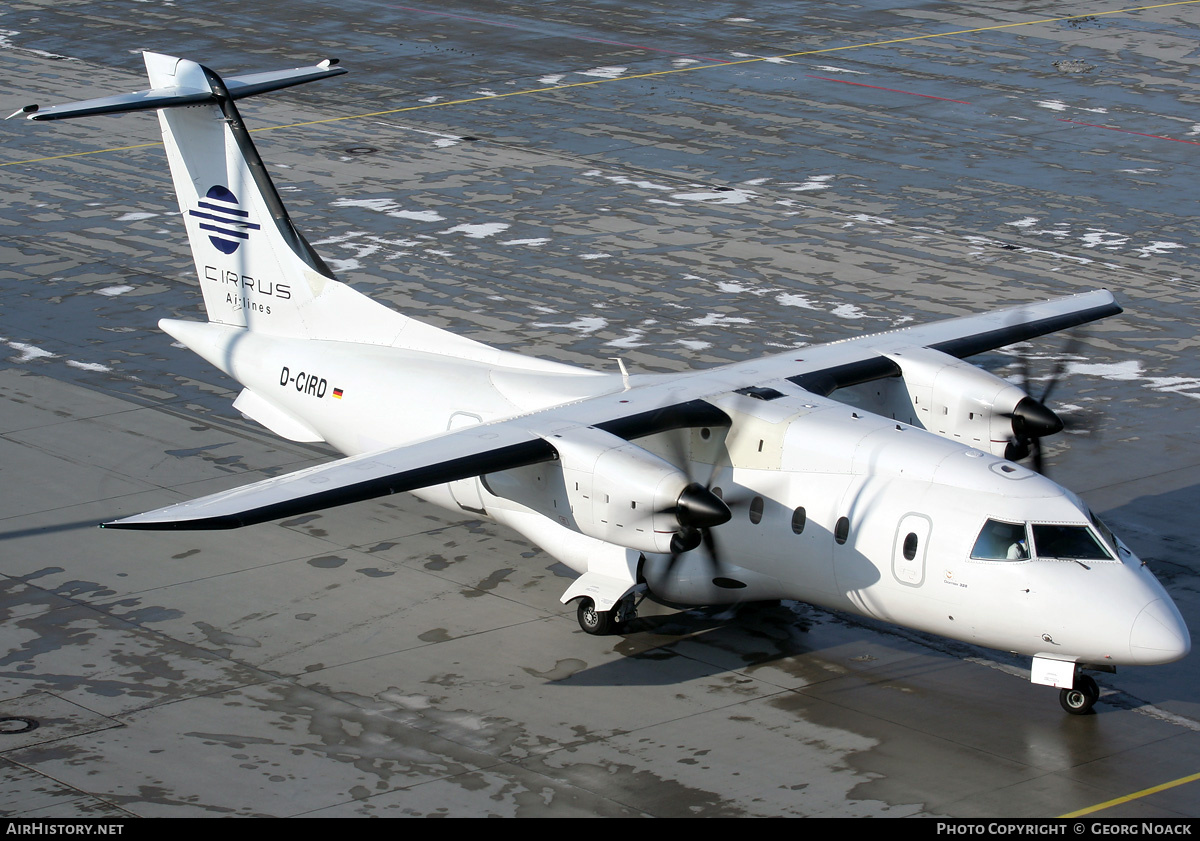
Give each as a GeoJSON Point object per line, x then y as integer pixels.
{"type": "Point", "coordinates": [1080, 699]}
{"type": "Point", "coordinates": [602, 622]}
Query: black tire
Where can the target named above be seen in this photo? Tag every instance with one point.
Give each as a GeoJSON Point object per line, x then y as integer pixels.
{"type": "Point", "coordinates": [592, 621]}
{"type": "Point", "coordinates": [1081, 699]}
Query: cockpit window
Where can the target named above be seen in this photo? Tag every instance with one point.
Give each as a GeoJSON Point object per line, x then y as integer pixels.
{"type": "Point", "coordinates": [1002, 542]}
{"type": "Point", "coordinates": [1110, 539]}
{"type": "Point", "coordinates": [1069, 542]}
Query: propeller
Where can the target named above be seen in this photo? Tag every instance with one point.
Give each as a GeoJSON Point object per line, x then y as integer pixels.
{"type": "Point", "coordinates": [1032, 419]}
{"type": "Point", "coordinates": [699, 508]}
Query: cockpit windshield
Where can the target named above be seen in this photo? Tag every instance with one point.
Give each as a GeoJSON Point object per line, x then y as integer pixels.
{"type": "Point", "coordinates": [1110, 539]}
{"type": "Point", "coordinates": [1077, 543]}
{"type": "Point", "coordinates": [1000, 541]}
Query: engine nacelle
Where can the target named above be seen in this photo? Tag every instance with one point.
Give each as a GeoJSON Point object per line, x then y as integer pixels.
{"type": "Point", "coordinates": [956, 400]}
{"type": "Point", "coordinates": [613, 490]}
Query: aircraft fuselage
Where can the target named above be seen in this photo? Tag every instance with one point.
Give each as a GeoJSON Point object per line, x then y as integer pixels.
{"type": "Point", "coordinates": [832, 505]}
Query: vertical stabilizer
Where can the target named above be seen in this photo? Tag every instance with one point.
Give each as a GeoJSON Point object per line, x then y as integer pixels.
{"type": "Point", "coordinates": [255, 268]}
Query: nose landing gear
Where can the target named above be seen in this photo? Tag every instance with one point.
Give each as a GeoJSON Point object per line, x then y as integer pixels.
{"type": "Point", "coordinates": [1080, 693]}
{"type": "Point", "coordinates": [1080, 699]}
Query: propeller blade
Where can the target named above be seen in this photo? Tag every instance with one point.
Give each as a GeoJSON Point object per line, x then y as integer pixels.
{"type": "Point", "coordinates": [1060, 367]}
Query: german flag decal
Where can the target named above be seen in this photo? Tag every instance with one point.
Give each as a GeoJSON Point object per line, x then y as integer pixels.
{"type": "Point", "coordinates": [337, 393]}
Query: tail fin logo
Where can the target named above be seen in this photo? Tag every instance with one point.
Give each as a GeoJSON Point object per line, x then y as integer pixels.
{"type": "Point", "coordinates": [228, 226]}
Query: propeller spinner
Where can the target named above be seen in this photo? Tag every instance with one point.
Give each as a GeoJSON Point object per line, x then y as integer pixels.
{"type": "Point", "coordinates": [697, 508]}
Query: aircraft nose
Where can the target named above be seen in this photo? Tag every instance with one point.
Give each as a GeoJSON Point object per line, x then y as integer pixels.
{"type": "Point", "coordinates": [1159, 634]}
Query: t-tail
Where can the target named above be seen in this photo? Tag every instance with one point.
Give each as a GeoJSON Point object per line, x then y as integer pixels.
{"type": "Point", "coordinates": [255, 268]}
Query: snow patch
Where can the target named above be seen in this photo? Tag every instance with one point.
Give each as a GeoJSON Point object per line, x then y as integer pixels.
{"type": "Point", "coordinates": [1096, 238]}
{"type": "Point", "coordinates": [1157, 248]}
{"type": "Point", "coordinates": [29, 352]}
{"type": "Point", "coordinates": [585, 325]}
{"type": "Point", "coordinates": [392, 209]}
{"type": "Point", "coordinates": [814, 182]}
{"type": "Point", "coordinates": [848, 311]}
{"type": "Point", "coordinates": [604, 72]}
{"type": "Point", "coordinates": [95, 367]}
{"type": "Point", "coordinates": [621, 179]}
{"type": "Point", "coordinates": [479, 231]}
{"type": "Point", "coordinates": [113, 291]}
{"type": "Point", "coordinates": [628, 341]}
{"type": "Point", "coordinates": [717, 196]}
{"type": "Point", "coordinates": [767, 59]}
{"type": "Point", "coordinates": [715, 318]}
{"type": "Point", "coordinates": [791, 299]}
{"type": "Point", "coordinates": [829, 68]}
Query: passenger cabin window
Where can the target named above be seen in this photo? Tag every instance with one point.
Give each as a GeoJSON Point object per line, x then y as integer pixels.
{"type": "Point", "coordinates": [1076, 543]}
{"type": "Point", "coordinates": [756, 510]}
{"type": "Point", "coordinates": [910, 546]}
{"type": "Point", "coordinates": [799, 518]}
{"type": "Point", "coordinates": [842, 530]}
{"type": "Point", "coordinates": [1002, 542]}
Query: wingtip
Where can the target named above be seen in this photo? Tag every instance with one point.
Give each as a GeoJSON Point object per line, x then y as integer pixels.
{"type": "Point", "coordinates": [25, 109]}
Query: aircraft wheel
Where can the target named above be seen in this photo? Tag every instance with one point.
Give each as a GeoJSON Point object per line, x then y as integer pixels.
{"type": "Point", "coordinates": [1079, 701]}
{"type": "Point", "coordinates": [595, 622]}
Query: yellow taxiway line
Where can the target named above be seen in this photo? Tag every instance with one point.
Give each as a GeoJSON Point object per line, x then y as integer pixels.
{"type": "Point", "coordinates": [1128, 797]}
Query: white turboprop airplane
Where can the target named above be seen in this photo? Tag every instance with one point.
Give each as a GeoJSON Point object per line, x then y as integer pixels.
{"type": "Point", "coordinates": [746, 482]}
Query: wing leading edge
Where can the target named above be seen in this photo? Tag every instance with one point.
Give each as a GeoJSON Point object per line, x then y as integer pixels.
{"type": "Point", "coordinates": [957, 337]}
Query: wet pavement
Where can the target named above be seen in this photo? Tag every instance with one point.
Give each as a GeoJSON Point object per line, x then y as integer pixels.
{"type": "Point", "coordinates": [676, 184]}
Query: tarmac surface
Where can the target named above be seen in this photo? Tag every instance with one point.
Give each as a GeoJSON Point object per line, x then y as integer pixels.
{"type": "Point", "coordinates": [678, 184]}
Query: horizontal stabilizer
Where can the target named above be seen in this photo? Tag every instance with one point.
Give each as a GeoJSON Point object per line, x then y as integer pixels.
{"type": "Point", "coordinates": [193, 89]}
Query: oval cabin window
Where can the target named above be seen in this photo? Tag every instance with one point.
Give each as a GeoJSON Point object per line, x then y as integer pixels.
{"type": "Point", "coordinates": [756, 510]}
{"type": "Point", "coordinates": [842, 530]}
{"type": "Point", "coordinates": [798, 520]}
{"type": "Point", "coordinates": [910, 547]}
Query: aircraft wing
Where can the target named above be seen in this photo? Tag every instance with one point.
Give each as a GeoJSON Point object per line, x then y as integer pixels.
{"type": "Point", "coordinates": [825, 368]}
{"type": "Point", "coordinates": [658, 405]}
{"type": "Point", "coordinates": [446, 458]}
{"type": "Point", "coordinates": [454, 455]}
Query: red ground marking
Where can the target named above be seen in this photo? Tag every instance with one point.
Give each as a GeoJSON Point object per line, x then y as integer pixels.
{"type": "Point", "coordinates": [890, 90]}
{"type": "Point", "coordinates": [1127, 131]}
